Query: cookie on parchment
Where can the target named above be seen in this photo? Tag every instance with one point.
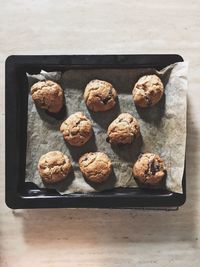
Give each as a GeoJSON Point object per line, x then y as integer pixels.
{"type": "Point", "coordinates": [149, 169]}
{"type": "Point", "coordinates": [148, 91]}
{"type": "Point", "coordinates": [76, 129]}
{"type": "Point", "coordinates": [54, 167]}
{"type": "Point", "coordinates": [123, 130]}
{"type": "Point", "coordinates": [100, 95]}
{"type": "Point", "coordinates": [95, 166]}
{"type": "Point", "coordinates": [48, 95]}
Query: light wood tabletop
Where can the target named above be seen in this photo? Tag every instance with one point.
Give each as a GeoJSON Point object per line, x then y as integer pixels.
{"type": "Point", "coordinates": [84, 237]}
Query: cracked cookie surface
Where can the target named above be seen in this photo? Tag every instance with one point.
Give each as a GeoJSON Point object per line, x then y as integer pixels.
{"type": "Point", "coordinates": [123, 130]}
{"type": "Point", "coordinates": [77, 129]}
{"type": "Point", "coordinates": [148, 91]}
{"type": "Point", "coordinates": [100, 95]}
{"type": "Point", "coordinates": [95, 166]}
{"type": "Point", "coordinates": [48, 95]}
{"type": "Point", "coordinates": [54, 167]}
{"type": "Point", "coordinates": [149, 169]}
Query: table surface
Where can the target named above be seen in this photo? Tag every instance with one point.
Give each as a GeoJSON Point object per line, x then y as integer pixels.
{"type": "Point", "coordinates": [104, 237]}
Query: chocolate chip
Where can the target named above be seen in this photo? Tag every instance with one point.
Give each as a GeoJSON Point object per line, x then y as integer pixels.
{"type": "Point", "coordinates": [148, 100]}
{"type": "Point", "coordinates": [146, 172]}
{"type": "Point", "coordinates": [154, 167]}
{"type": "Point", "coordinates": [107, 139]}
{"type": "Point", "coordinates": [105, 100]}
{"type": "Point", "coordinates": [140, 155]}
{"type": "Point", "coordinates": [110, 92]}
{"type": "Point", "coordinates": [157, 167]}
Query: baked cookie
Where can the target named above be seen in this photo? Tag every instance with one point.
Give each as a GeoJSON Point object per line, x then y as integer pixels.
{"type": "Point", "coordinates": [54, 167]}
{"type": "Point", "coordinates": [123, 130]}
{"type": "Point", "coordinates": [48, 95]}
{"type": "Point", "coordinates": [100, 95]}
{"type": "Point", "coordinates": [148, 91]}
{"type": "Point", "coordinates": [95, 166]}
{"type": "Point", "coordinates": [149, 169]}
{"type": "Point", "coordinates": [77, 129]}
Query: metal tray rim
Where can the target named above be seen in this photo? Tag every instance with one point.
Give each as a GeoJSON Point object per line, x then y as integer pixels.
{"type": "Point", "coordinates": [15, 198]}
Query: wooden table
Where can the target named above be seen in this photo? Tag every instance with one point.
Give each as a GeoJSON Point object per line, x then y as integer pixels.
{"type": "Point", "coordinates": [104, 237]}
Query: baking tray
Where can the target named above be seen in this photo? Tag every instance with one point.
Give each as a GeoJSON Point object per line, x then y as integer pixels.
{"type": "Point", "coordinates": [20, 194]}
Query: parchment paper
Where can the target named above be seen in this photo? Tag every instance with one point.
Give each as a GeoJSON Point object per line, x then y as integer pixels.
{"type": "Point", "coordinates": [163, 127]}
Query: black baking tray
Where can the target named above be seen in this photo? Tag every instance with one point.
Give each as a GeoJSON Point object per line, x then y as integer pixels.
{"type": "Point", "coordinates": [20, 194]}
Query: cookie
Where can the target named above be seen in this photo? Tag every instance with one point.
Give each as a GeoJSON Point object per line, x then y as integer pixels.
{"type": "Point", "coordinates": [48, 95]}
{"type": "Point", "coordinates": [149, 169]}
{"type": "Point", "coordinates": [76, 129]}
{"type": "Point", "coordinates": [123, 130]}
{"type": "Point", "coordinates": [54, 167]}
{"type": "Point", "coordinates": [95, 166]}
{"type": "Point", "coordinates": [148, 91]}
{"type": "Point", "coordinates": [100, 95]}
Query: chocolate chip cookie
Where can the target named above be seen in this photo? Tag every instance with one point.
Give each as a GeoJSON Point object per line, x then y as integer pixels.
{"type": "Point", "coordinates": [77, 129]}
{"type": "Point", "coordinates": [123, 130]}
{"type": "Point", "coordinates": [149, 169]}
{"type": "Point", "coordinates": [148, 91]}
{"type": "Point", "coordinates": [95, 166]}
{"type": "Point", "coordinates": [100, 95]}
{"type": "Point", "coordinates": [48, 95]}
{"type": "Point", "coordinates": [54, 167]}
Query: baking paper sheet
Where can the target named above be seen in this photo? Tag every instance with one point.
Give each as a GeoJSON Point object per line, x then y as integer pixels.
{"type": "Point", "coordinates": [163, 127]}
